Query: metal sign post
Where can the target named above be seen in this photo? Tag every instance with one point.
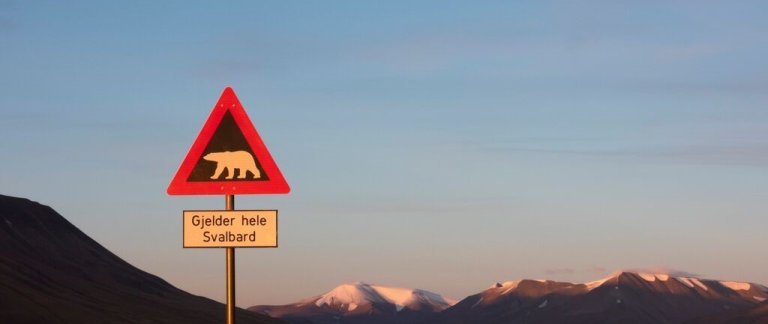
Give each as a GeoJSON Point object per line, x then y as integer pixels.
{"type": "Point", "coordinates": [230, 205]}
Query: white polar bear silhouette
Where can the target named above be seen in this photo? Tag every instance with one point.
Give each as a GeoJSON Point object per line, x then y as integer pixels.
{"type": "Point", "coordinates": [233, 160]}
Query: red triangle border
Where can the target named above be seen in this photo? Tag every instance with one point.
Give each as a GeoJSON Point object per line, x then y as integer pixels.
{"type": "Point", "coordinates": [276, 183]}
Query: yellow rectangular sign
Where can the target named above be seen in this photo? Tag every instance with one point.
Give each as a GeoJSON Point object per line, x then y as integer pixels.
{"type": "Point", "coordinates": [230, 228]}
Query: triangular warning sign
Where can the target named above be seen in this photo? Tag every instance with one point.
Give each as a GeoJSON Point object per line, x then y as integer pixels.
{"type": "Point", "coordinates": [228, 157]}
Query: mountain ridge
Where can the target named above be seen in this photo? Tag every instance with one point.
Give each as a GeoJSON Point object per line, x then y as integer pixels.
{"type": "Point", "coordinates": [621, 297]}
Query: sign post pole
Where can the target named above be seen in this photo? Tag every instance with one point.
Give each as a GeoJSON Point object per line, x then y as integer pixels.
{"type": "Point", "coordinates": [230, 205]}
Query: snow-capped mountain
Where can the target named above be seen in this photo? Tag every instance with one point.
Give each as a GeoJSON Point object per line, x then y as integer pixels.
{"type": "Point", "coordinates": [624, 297]}
{"type": "Point", "coordinates": [361, 303]}
{"type": "Point", "coordinates": [351, 296]}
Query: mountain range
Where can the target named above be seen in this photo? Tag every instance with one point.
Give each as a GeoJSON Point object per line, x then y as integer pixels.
{"type": "Point", "coordinates": [51, 272]}
{"type": "Point", "coordinates": [623, 297]}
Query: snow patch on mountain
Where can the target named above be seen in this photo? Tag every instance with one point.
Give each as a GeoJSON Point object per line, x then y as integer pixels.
{"type": "Point", "coordinates": [477, 302]}
{"type": "Point", "coordinates": [346, 294]}
{"type": "Point", "coordinates": [509, 285]}
{"type": "Point", "coordinates": [651, 277]}
{"type": "Point", "coordinates": [685, 281]}
{"type": "Point", "coordinates": [360, 293]}
{"type": "Point", "coordinates": [736, 285]}
{"type": "Point", "coordinates": [692, 283]}
{"type": "Point", "coordinates": [597, 283]}
{"type": "Point", "coordinates": [397, 296]}
{"type": "Point", "coordinates": [697, 282]}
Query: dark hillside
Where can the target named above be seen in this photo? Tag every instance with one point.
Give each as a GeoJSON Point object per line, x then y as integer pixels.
{"type": "Point", "coordinates": [51, 272]}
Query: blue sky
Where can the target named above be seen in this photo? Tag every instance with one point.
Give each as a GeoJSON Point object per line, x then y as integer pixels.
{"type": "Point", "coordinates": [439, 145]}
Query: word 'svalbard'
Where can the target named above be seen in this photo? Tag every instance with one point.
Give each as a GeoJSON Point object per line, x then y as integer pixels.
{"type": "Point", "coordinates": [233, 228]}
